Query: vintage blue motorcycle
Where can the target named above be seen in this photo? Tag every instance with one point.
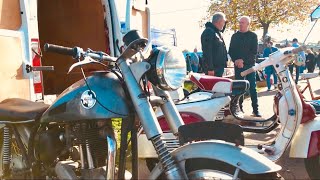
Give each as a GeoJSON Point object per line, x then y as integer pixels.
{"type": "Point", "coordinates": [74, 138]}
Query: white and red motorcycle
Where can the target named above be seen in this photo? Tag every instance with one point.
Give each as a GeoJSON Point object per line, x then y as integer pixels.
{"type": "Point", "coordinates": [197, 109]}
{"type": "Point", "coordinates": [212, 101]}
{"type": "Point", "coordinates": [300, 125]}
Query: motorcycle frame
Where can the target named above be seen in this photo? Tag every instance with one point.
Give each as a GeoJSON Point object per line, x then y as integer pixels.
{"type": "Point", "coordinates": [141, 103]}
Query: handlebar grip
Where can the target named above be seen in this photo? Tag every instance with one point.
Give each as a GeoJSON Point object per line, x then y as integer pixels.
{"type": "Point", "coordinates": [43, 68]}
{"type": "Point", "coordinates": [59, 49]}
{"type": "Point", "coordinates": [246, 72]}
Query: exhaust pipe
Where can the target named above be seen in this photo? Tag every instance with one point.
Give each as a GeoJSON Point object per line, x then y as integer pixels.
{"type": "Point", "coordinates": [64, 170]}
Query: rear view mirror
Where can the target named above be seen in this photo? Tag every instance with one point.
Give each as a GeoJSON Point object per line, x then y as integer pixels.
{"type": "Point", "coordinates": [315, 14]}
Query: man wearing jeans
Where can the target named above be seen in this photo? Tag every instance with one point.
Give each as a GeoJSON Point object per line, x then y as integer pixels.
{"type": "Point", "coordinates": [243, 50]}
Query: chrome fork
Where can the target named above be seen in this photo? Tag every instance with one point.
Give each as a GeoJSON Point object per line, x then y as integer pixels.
{"type": "Point", "coordinates": [111, 158]}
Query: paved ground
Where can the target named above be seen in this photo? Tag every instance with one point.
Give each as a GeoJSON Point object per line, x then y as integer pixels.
{"type": "Point", "coordinates": [292, 168]}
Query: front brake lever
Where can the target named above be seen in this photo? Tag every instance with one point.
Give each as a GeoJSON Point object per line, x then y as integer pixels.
{"type": "Point", "coordinates": [87, 60]}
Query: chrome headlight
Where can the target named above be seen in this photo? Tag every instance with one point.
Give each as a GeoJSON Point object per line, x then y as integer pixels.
{"type": "Point", "coordinates": [168, 68]}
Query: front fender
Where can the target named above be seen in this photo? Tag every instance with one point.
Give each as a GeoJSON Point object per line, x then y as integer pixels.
{"type": "Point", "coordinates": [304, 143]}
{"type": "Point", "coordinates": [241, 157]}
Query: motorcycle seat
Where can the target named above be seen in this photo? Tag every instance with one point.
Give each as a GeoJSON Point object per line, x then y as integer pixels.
{"type": "Point", "coordinates": [206, 82]}
{"type": "Point", "coordinates": [15, 109]}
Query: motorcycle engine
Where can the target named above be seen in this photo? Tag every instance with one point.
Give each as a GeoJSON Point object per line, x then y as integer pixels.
{"type": "Point", "coordinates": [89, 136]}
{"type": "Point", "coordinates": [83, 142]}
{"type": "Point", "coordinates": [48, 144]}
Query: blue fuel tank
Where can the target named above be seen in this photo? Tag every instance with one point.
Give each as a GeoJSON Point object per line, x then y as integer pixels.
{"type": "Point", "coordinates": [102, 97]}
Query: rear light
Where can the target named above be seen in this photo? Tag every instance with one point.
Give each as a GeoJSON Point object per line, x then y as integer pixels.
{"type": "Point", "coordinates": [37, 75]}
{"type": "Point", "coordinates": [314, 144]}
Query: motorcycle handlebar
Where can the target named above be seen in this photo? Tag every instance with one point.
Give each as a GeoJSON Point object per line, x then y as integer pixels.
{"type": "Point", "coordinates": [287, 52]}
{"type": "Point", "coordinates": [100, 56]}
{"type": "Point", "coordinates": [74, 52]}
{"type": "Point", "coordinates": [60, 49]}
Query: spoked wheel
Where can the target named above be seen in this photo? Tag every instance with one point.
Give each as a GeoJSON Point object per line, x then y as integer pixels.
{"type": "Point", "coordinates": [312, 166]}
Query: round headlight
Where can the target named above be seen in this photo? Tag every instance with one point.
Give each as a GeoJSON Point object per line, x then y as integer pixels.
{"type": "Point", "coordinates": [168, 68]}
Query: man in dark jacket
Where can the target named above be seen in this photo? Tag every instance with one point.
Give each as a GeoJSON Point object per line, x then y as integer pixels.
{"type": "Point", "coordinates": [213, 46]}
{"type": "Point", "coordinates": [243, 50]}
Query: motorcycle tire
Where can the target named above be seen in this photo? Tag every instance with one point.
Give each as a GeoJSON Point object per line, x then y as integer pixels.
{"type": "Point", "coordinates": [312, 166]}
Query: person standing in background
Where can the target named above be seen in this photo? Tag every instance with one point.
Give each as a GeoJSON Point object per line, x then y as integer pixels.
{"type": "Point", "coordinates": [318, 59]}
{"type": "Point", "coordinates": [243, 51]}
{"type": "Point", "coordinates": [269, 70]}
{"type": "Point", "coordinates": [194, 61]}
{"type": "Point", "coordinates": [310, 61]}
{"type": "Point", "coordinates": [301, 55]}
{"type": "Point", "coordinates": [213, 46]}
{"type": "Point", "coordinates": [188, 62]}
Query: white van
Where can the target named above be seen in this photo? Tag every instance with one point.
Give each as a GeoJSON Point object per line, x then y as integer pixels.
{"type": "Point", "coordinates": [26, 25]}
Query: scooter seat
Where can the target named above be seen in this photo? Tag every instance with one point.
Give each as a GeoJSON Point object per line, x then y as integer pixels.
{"type": "Point", "coordinates": [308, 75]}
{"type": "Point", "coordinates": [15, 109]}
{"type": "Point", "coordinates": [206, 82]}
